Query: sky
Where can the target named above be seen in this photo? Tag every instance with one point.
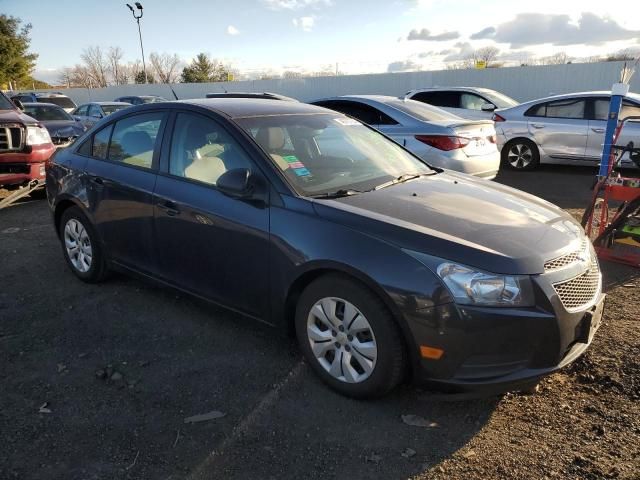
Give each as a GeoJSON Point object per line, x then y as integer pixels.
{"type": "Point", "coordinates": [354, 36]}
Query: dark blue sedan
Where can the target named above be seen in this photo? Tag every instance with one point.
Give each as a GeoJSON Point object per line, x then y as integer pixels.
{"type": "Point", "coordinates": [307, 219]}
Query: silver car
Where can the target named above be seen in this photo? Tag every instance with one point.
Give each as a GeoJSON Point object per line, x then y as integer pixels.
{"type": "Point", "coordinates": [474, 103]}
{"type": "Point", "coordinates": [91, 113]}
{"type": "Point", "coordinates": [565, 129]}
{"type": "Point", "coordinates": [438, 137]}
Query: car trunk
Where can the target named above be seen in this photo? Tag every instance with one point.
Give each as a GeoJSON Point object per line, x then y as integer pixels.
{"type": "Point", "coordinates": [481, 135]}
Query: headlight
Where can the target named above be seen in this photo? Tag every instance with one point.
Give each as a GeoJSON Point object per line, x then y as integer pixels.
{"type": "Point", "coordinates": [37, 136]}
{"type": "Point", "coordinates": [473, 287]}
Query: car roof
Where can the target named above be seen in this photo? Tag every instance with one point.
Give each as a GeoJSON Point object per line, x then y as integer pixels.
{"type": "Point", "coordinates": [254, 107]}
{"type": "Point", "coordinates": [107, 103]}
{"type": "Point", "coordinates": [594, 93]}
{"type": "Point", "coordinates": [40, 104]}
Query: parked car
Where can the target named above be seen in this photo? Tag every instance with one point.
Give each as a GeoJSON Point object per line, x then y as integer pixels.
{"type": "Point", "coordinates": [140, 99]}
{"type": "Point", "coordinates": [46, 97]}
{"type": "Point", "coordinates": [306, 219]}
{"type": "Point", "coordinates": [265, 95]}
{"type": "Point", "coordinates": [63, 128]}
{"type": "Point", "coordinates": [466, 102]}
{"type": "Point", "coordinates": [25, 146]}
{"type": "Point", "coordinates": [566, 129]}
{"type": "Point", "coordinates": [91, 113]}
{"type": "Point", "coordinates": [439, 137]}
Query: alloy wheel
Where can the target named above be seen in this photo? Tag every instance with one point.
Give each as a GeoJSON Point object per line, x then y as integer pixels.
{"type": "Point", "coordinates": [78, 245]}
{"type": "Point", "coordinates": [519, 156]}
{"type": "Point", "coordinates": [342, 340]}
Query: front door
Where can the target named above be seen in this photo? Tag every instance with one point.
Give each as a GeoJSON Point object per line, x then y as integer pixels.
{"type": "Point", "coordinates": [208, 243]}
{"type": "Point", "coordinates": [560, 128]}
{"type": "Point", "coordinates": [598, 124]}
{"type": "Point", "coordinates": [122, 175]}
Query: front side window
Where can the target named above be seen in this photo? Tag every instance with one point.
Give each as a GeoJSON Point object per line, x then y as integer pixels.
{"type": "Point", "coordinates": [439, 99]}
{"type": "Point", "coordinates": [64, 102]}
{"type": "Point", "coordinates": [5, 103]}
{"type": "Point", "coordinates": [134, 138]}
{"type": "Point", "coordinates": [94, 111]}
{"type": "Point", "coordinates": [202, 150]}
{"type": "Point", "coordinates": [109, 109]}
{"type": "Point", "coordinates": [331, 152]}
{"type": "Point", "coordinates": [82, 111]}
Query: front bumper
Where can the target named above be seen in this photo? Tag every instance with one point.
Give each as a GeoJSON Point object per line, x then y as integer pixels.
{"type": "Point", "coordinates": [18, 168]}
{"type": "Point", "coordinates": [494, 350]}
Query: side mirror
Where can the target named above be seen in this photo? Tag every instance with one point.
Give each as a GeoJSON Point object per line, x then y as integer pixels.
{"type": "Point", "coordinates": [236, 183]}
{"type": "Point", "coordinates": [18, 104]}
{"type": "Point", "coordinates": [77, 118]}
{"type": "Point", "coordinates": [488, 107]}
{"type": "Point", "coordinates": [98, 116]}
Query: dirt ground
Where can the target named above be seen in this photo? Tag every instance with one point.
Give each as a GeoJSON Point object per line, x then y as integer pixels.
{"type": "Point", "coordinates": [96, 382]}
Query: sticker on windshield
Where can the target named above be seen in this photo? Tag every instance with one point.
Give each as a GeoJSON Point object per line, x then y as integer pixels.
{"type": "Point", "coordinates": [296, 165]}
{"type": "Point", "coordinates": [347, 122]}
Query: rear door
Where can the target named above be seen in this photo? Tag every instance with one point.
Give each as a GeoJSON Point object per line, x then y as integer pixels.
{"type": "Point", "coordinates": [209, 243]}
{"type": "Point", "coordinates": [560, 128]}
{"type": "Point", "coordinates": [122, 174]}
{"type": "Point", "coordinates": [598, 123]}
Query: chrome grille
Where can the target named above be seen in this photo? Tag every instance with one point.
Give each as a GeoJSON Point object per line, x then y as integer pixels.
{"type": "Point", "coordinates": [581, 291]}
{"type": "Point", "coordinates": [568, 259]}
{"type": "Point", "coordinates": [10, 137]}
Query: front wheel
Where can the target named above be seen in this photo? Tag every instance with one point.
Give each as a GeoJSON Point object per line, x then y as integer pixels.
{"type": "Point", "coordinates": [349, 337]}
{"type": "Point", "coordinates": [521, 154]}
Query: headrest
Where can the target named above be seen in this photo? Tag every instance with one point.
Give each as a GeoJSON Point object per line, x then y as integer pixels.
{"type": "Point", "coordinates": [271, 138]}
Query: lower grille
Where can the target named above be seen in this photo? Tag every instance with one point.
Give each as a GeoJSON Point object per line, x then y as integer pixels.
{"type": "Point", "coordinates": [581, 291]}
{"type": "Point", "coordinates": [11, 137]}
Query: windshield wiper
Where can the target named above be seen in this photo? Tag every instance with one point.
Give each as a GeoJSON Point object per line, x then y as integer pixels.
{"type": "Point", "coordinates": [402, 178]}
{"type": "Point", "coordinates": [337, 194]}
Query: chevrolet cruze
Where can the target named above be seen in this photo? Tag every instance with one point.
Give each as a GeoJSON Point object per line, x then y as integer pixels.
{"type": "Point", "coordinates": [304, 218]}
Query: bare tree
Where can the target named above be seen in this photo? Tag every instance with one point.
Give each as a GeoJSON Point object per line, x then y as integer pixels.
{"type": "Point", "coordinates": [166, 66]}
{"type": "Point", "coordinates": [81, 77]}
{"type": "Point", "coordinates": [96, 64]}
{"type": "Point", "coordinates": [487, 55]}
{"type": "Point", "coordinates": [559, 58]}
{"type": "Point", "coordinates": [66, 76]}
{"type": "Point", "coordinates": [118, 71]}
{"type": "Point", "coordinates": [622, 56]}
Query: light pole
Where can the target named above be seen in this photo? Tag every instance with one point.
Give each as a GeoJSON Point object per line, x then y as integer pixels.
{"type": "Point", "coordinates": [138, 17]}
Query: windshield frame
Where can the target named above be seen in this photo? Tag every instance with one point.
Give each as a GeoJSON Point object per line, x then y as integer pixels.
{"type": "Point", "coordinates": [9, 105]}
{"type": "Point", "coordinates": [353, 188]}
{"type": "Point", "coordinates": [504, 101]}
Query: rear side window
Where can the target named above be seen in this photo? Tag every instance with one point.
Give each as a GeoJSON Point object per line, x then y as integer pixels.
{"type": "Point", "coordinates": [439, 99]}
{"type": "Point", "coordinates": [365, 113]}
{"type": "Point", "coordinates": [569, 108]}
{"type": "Point", "coordinates": [134, 139]}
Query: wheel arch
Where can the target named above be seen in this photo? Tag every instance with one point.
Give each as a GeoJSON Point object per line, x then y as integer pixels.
{"type": "Point", "coordinates": [62, 206]}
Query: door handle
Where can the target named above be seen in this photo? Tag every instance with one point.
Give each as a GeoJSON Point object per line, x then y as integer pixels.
{"type": "Point", "coordinates": [97, 181]}
{"type": "Point", "coordinates": [598, 130]}
{"type": "Point", "coordinates": [537, 125]}
{"type": "Point", "coordinates": [169, 207]}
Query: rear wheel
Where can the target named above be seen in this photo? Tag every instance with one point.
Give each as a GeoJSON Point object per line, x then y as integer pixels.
{"type": "Point", "coordinates": [521, 154]}
{"type": "Point", "coordinates": [349, 337]}
{"type": "Point", "coordinates": [81, 247]}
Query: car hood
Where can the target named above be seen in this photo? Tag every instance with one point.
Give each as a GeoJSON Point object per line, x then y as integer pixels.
{"type": "Point", "coordinates": [63, 128]}
{"type": "Point", "coordinates": [7, 116]}
{"type": "Point", "coordinates": [463, 219]}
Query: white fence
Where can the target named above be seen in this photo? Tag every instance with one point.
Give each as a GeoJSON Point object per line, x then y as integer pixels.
{"type": "Point", "coordinates": [521, 83]}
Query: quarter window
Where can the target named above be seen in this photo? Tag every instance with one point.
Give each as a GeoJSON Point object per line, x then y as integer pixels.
{"type": "Point", "coordinates": [101, 143]}
{"type": "Point", "coordinates": [202, 150]}
{"type": "Point", "coordinates": [134, 138]}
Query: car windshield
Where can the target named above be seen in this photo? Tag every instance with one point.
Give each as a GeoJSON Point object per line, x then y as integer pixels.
{"type": "Point", "coordinates": [153, 99]}
{"type": "Point", "coordinates": [500, 100]}
{"type": "Point", "coordinates": [327, 153]}
{"type": "Point", "coordinates": [64, 102]}
{"type": "Point", "coordinates": [421, 111]}
{"type": "Point", "coordinates": [5, 103]}
{"type": "Point", "coordinates": [109, 109]}
{"type": "Point", "coordinates": [46, 112]}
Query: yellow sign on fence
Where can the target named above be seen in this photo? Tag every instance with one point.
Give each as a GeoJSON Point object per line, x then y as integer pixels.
{"type": "Point", "coordinates": [481, 64]}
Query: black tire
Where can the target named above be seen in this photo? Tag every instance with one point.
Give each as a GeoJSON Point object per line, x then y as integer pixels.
{"type": "Point", "coordinates": [98, 268]}
{"type": "Point", "coordinates": [525, 145]}
{"type": "Point", "coordinates": [391, 360]}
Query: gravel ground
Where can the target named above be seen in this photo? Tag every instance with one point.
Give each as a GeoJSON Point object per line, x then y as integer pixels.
{"type": "Point", "coordinates": [97, 382]}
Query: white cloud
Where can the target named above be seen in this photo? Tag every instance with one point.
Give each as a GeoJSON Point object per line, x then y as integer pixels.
{"type": "Point", "coordinates": [426, 35]}
{"type": "Point", "coordinates": [538, 28]}
{"type": "Point", "coordinates": [403, 66]}
{"type": "Point", "coordinates": [231, 30]}
{"type": "Point", "coordinates": [296, 4]}
{"type": "Point", "coordinates": [305, 23]}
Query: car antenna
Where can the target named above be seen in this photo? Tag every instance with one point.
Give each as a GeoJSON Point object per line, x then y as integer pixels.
{"type": "Point", "coordinates": [173, 91]}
